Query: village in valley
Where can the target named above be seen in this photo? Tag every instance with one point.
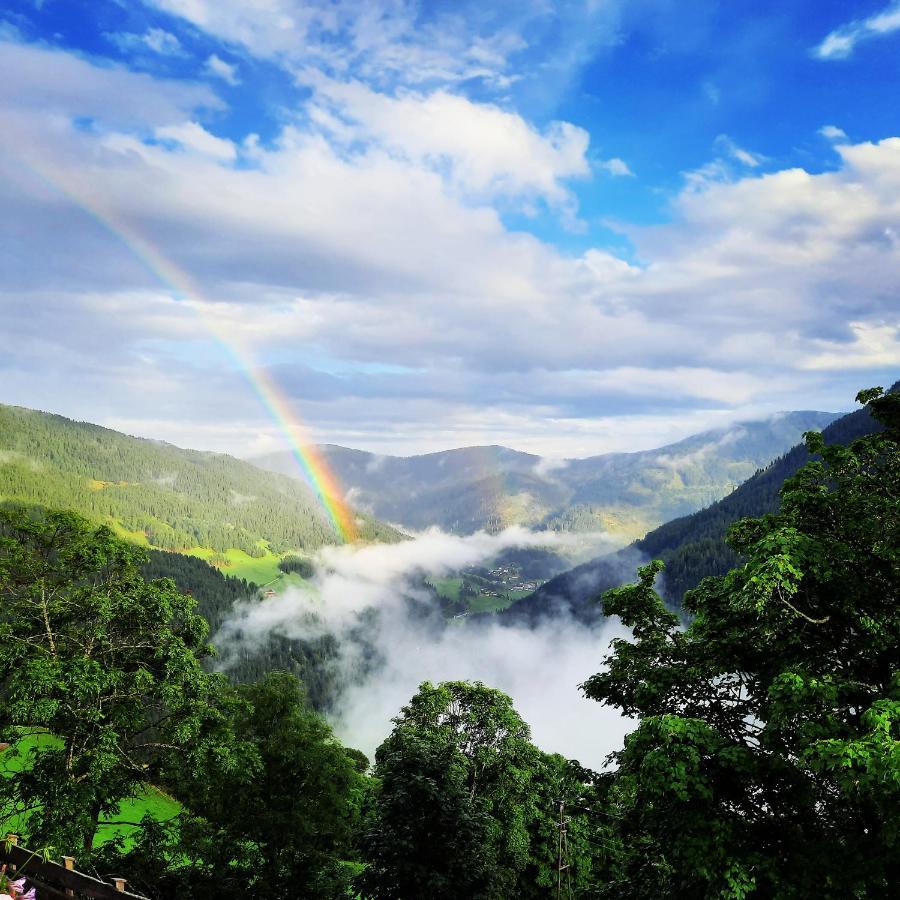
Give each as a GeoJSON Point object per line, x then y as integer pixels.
{"type": "Point", "coordinates": [485, 589]}
{"type": "Point", "coordinates": [508, 578]}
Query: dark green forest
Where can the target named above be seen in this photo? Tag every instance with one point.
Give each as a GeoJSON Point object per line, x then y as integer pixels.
{"type": "Point", "coordinates": [764, 760]}
{"type": "Point", "coordinates": [215, 595]}
{"type": "Point", "coordinates": [171, 498]}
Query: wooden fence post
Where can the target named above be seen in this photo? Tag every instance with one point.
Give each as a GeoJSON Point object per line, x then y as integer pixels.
{"type": "Point", "coordinates": [120, 884]}
{"type": "Point", "coordinates": [69, 863]}
{"type": "Point", "coordinates": [12, 839]}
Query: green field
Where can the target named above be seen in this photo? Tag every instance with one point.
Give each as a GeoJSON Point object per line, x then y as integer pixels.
{"type": "Point", "coordinates": [483, 603]}
{"type": "Point", "coordinates": [260, 570]}
{"type": "Point", "coordinates": [448, 587]}
{"type": "Point", "coordinates": [151, 801]}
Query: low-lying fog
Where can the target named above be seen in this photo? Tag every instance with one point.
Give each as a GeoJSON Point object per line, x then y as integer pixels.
{"type": "Point", "coordinates": [376, 591]}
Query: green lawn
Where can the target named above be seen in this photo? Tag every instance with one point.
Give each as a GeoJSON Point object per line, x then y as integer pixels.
{"type": "Point", "coordinates": [150, 801]}
{"type": "Point", "coordinates": [260, 570]}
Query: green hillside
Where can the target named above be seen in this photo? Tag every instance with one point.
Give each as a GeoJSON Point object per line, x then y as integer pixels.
{"type": "Point", "coordinates": [693, 546]}
{"type": "Point", "coordinates": [625, 494]}
{"type": "Point", "coordinates": [222, 509]}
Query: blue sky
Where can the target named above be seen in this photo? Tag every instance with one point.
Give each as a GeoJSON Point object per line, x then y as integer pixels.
{"type": "Point", "coordinates": [568, 227]}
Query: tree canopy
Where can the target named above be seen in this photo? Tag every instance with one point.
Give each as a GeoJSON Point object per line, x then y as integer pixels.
{"type": "Point", "coordinates": [449, 817]}
{"type": "Point", "coordinates": [766, 761]}
{"type": "Point", "coordinates": [100, 676]}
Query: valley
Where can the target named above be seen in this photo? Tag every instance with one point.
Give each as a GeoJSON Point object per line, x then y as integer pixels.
{"type": "Point", "coordinates": [449, 450]}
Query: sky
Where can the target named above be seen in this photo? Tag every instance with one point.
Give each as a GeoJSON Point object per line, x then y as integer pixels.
{"type": "Point", "coordinates": [567, 227]}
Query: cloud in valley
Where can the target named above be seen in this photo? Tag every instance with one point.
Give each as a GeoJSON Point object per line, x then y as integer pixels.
{"type": "Point", "coordinates": [539, 667]}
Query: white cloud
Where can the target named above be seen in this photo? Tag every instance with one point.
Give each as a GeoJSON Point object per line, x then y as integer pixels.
{"type": "Point", "coordinates": [833, 133]}
{"type": "Point", "coordinates": [195, 137]}
{"type": "Point", "coordinates": [842, 42]}
{"type": "Point", "coordinates": [380, 40]}
{"type": "Point", "coordinates": [873, 346]}
{"type": "Point", "coordinates": [221, 69]}
{"type": "Point", "coordinates": [547, 465]}
{"type": "Point", "coordinates": [330, 259]}
{"type": "Point", "coordinates": [489, 151]}
{"type": "Point", "coordinates": [41, 83]}
{"type": "Point", "coordinates": [163, 42]}
{"type": "Point", "coordinates": [408, 43]}
{"type": "Point", "coordinates": [156, 39]}
{"type": "Point", "coordinates": [727, 146]}
{"type": "Point", "coordinates": [616, 167]}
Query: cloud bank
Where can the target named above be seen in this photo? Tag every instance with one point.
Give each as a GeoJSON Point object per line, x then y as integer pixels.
{"type": "Point", "coordinates": [373, 600]}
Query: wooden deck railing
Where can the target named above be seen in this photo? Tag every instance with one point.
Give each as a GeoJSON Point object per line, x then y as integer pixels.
{"type": "Point", "coordinates": [54, 880]}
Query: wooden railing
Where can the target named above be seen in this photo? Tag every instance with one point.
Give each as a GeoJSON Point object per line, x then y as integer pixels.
{"type": "Point", "coordinates": [55, 880]}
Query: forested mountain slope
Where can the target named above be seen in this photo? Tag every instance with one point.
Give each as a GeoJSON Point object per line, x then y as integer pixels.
{"type": "Point", "coordinates": [692, 546]}
{"type": "Point", "coordinates": [312, 661]}
{"type": "Point", "coordinates": [157, 493]}
{"type": "Point", "coordinates": [214, 592]}
{"type": "Point", "coordinates": [474, 488]}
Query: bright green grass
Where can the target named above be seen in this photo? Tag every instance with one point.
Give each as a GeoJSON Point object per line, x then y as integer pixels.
{"type": "Point", "coordinates": [135, 537]}
{"type": "Point", "coordinates": [289, 580]}
{"type": "Point", "coordinates": [260, 570]}
{"type": "Point", "coordinates": [151, 801]}
{"type": "Point", "coordinates": [448, 587]}
{"type": "Point", "coordinates": [486, 604]}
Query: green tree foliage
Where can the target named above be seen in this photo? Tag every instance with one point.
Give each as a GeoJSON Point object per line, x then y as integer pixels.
{"type": "Point", "coordinates": [462, 807]}
{"type": "Point", "coordinates": [299, 565]}
{"type": "Point", "coordinates": [312, 661]}
{"type": "Point", "coordinates": [214, 593]}
{"type": "Point", "coordinates": [767, 758]}
{"type": "Point", "coordinates": [101, 666]}
{"type": "Point", "coordinates": [279, 825]}
{"type": "Point", "coordinates": [562, 792]}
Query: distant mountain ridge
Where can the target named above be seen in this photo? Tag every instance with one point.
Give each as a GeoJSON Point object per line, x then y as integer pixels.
{"type": "Point", "coordinates": [159, 494]}
{"type": "Point", "coordinates": [492, 487]}
{"type": "Point", "coordinates": [692, 547]}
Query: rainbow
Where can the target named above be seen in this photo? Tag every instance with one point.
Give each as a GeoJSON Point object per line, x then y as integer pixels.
{"type": "Point", "coordinates": [272, 398]}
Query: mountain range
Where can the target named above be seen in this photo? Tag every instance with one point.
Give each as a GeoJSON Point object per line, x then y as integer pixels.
{"type": "Point", "coordinates": [244, 519]}
{"type": "Point", "coordinates": [624, 494]}
{"type": "Point", "coordinates": [692, 547]}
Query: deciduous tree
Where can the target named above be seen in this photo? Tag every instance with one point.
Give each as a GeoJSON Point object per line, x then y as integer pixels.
{"type": "Point", "coordinates": [766, 762]}
{"type": "Point", "coordinates": [100, 676]}
{"type": "Point", "coordinates": [455, 800]}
